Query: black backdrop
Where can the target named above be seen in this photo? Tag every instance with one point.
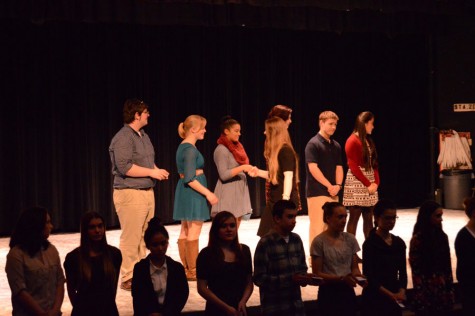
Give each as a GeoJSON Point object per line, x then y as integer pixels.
{"type": "Point", "coordinates": [64, 84]}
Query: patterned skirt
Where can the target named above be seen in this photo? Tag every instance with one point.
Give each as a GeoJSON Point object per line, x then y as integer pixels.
{"type": "Point", "coordinates": [356, 193]}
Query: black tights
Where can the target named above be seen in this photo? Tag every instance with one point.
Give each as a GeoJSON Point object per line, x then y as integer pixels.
{"type": "Point", "coordinates": [355, 212]}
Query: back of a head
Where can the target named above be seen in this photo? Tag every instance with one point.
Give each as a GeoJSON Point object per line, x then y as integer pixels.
{"type": "Point", "coordinates": [276, 128]}
{"type": "Point", "coordinates": [281, 111]}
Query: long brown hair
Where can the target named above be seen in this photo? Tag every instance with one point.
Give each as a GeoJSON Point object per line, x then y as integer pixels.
{"type": "Point", "coordinates": [85, 268]}
{"type": "Point", "coordinates": [433, 240]}
{"type": "Point", "coordinates": [370, 155]}
{"type": "Point", "coordinates": [214, 241]}
{"type": "Point", "coordinates": [277, 136]}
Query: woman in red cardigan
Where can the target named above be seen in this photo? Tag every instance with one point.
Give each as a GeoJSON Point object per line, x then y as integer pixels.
{"type": "Point", "coordinates": [360, 193]}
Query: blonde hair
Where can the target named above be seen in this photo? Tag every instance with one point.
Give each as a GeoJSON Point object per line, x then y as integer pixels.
{"type": "Point", "coordinates": [277, 136]}
{"type": "Point", "coordinates": [326, 115]}
{"type": "Point", "coordinates": [192, 122]}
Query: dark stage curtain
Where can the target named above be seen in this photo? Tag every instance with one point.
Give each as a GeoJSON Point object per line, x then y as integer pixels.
{"type": "Point", "coordinates": [64, 84]}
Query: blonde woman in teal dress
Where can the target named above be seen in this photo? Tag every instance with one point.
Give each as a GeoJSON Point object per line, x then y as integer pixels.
{"type": "Point", "coordinates": [192, 193]}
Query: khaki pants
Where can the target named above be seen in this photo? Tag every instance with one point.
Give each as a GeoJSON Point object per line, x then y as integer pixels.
{"type": "Point", "coordinates": [134, 208]}
{"type": "Point", "coordinates": [315, 215]}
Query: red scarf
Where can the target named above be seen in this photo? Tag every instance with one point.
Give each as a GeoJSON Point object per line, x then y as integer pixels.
{"type": "Point", "coordinates": [235, 148]}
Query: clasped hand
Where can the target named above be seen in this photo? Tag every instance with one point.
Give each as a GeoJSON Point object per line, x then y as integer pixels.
{"type": "Point", "coordinates": [333, 190]}
{"type": "Point", "coordinates": [373, 187]}
{"type": "Point", "coordinates": [253, 171]}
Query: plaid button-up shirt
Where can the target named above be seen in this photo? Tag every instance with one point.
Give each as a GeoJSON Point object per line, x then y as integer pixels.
{"type": "Point", "coordinates": [275, 262]}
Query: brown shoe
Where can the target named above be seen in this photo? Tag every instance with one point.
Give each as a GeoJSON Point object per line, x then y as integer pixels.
{"type": "Point", "coordinates": [191, 255]}
{"type": "Point", "coordinates": [127, 285]}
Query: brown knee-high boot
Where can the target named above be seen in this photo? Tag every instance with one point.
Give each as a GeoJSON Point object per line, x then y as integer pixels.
{"type": "Point", "coordinates": [182, 252]}
{"type": "Point", "coordinates": [191, 256]}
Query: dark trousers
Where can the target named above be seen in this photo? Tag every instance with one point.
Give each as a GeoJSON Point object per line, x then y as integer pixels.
{"type": "Point", "coordinates": [468, 301]}
{"type": "Point", "coordinates": [336, 300]}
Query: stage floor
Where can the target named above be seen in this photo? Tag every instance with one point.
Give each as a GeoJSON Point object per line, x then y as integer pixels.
{"type": "Point", "coordinates": [454, 220]}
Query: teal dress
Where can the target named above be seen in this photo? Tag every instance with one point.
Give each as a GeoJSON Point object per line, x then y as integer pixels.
{"type": "Point", "coordinates": [189, 205]}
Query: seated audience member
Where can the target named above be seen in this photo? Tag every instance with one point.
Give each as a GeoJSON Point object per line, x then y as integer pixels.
{"type": "Point", "coordinates": [160, 286]}
{"type": "Point", "coordinates": [465, 250]}
{"type": "Point", "coordinates": [92, 270]}
{"type": "Point", "coordinates": [429, 257]}
{"type": "Point", "coordinates": [384, 264]}
{"type": "Point", "coordinates": [279, 264]}
{"type": "Point", "coordinates": [334, 259]}
{"type": "Point", "coordinates": [33, 266]}
{"type": "Point", "coordinates": [224, 269]}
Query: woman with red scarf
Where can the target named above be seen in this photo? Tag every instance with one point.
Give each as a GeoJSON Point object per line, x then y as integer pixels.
{"type": "Point", "coordinates": [232, 162]}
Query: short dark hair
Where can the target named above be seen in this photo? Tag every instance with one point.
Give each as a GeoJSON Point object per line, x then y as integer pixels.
{"type": "Point", "coordinates": [132, 106]}
{"type": "Point", "coordinates": [282, 205]}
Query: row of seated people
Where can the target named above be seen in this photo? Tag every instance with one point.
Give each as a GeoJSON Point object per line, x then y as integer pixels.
{"type": "Point", "coordinates": [226, 274]}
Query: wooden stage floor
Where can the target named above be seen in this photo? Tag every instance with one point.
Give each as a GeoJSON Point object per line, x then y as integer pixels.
{"type": "Point", "coordinates": [454, 220]}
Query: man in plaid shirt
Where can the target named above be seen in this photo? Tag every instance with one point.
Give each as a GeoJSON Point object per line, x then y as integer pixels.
{"type": "Point", "coordinates": [279, 265]}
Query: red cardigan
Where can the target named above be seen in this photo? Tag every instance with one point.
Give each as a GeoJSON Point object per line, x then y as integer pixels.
{"type": "Point", "coordinates": [354, 155]}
